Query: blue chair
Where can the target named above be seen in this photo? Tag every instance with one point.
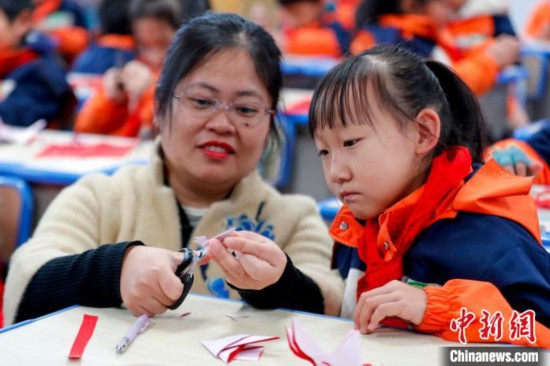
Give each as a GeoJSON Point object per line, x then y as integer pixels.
{"type": "Point", "coordinates": [329, 208]}
{"type": "Point", "coordinates": [16, 213]}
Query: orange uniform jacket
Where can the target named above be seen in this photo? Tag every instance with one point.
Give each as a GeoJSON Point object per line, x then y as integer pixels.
{"type": "Point", "coordinates": [454, 231]}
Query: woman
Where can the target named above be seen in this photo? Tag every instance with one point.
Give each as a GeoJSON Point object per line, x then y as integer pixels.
{"type": "Point", "coordinates": [107, 241]}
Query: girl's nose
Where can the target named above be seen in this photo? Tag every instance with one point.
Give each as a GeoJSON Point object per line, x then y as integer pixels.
{"type": "Point", "coordinates": [339, 171]}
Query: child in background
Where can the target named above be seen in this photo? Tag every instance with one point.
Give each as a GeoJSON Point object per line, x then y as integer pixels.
{"type": "Point", "coordinates": [64, 21]}
{"type": "Point", "coordinates": [32, 80]}
{"type": "Point", "coordinates": [310, 28]}
{"type": "Point", "coordinates": [426, 231]}
{"type": "Point", "coordinates": [422, 26]}
{"type": "Point", "coordinates": [124, 106]}
{"type": "Point", "coordinates": [115, 45]}
{"type": "Point", "coordinates": [526, 158]}
{"type": "Point", "coordinates": [477, 25]}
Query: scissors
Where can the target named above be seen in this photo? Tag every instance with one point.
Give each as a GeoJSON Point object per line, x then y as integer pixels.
{"type": "Point", "coordinates": [185, 272]}
{"type": "Point", "coordinates": [190, 259]}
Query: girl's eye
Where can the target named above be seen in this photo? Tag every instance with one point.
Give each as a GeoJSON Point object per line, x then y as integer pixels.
{"type": "Point", "coordinates": [349, 143]}
{"type": "Point", "coordinates": [323, 153]}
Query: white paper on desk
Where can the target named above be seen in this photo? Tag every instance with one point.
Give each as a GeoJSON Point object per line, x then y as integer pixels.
{"type": "Point", "coordinates": [20, 135]}
{"type": "Point", "coordinates": [237, 347]}
{"type": "Point", "coordinates": [250, 353]}
{"type": "Point", "coordinates": [216, 346]}
{"type": "Point", "coordinates": [302, 345]}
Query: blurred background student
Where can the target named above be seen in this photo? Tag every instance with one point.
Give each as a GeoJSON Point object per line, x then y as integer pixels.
{"type": "Point", "coordinates": [315, 28]}
{"type": "Point", "coordinates": [32, 77]}
{"type": "Point", "coordinates": [124, 106]}
{"type": "Point", "coordinates": [114, 43]}
{"type": "Point", "coordinates": [65, 22]}
{"type": "Point", "coordinates": [423, 27]}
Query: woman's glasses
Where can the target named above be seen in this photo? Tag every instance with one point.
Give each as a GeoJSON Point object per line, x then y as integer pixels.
{"type": "Point", "coordinates": [246, 113]}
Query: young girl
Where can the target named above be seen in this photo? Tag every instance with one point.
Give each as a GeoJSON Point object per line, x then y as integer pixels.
{"type": "Point", "coordinates": [426, 237]}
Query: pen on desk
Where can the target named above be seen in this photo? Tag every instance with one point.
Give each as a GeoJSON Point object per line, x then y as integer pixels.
{"type": "Point", "coordinates": [139, 326]}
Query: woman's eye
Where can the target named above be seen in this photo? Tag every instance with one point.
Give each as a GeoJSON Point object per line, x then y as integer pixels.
{"type": "Point", "coordinates": [323, 153]}
{"type": "Point", "coordinates": [246, 110]}
{"type": "Point", "coordinates": [202, 102]}
{"type": "Point", "coordinates": [349, 143]}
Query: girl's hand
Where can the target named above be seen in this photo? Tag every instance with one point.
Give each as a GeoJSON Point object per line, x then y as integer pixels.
{"type": "Point", "coordinates": [394, 299]}
{"type": "Point", "coordinates": [148, 284]}
{"type": "Point", "coordinates": [113, 85]}
{"type": "Point", "coordinates": [137, 78]}
{"type": "Point", "coordinates": [257, 263]}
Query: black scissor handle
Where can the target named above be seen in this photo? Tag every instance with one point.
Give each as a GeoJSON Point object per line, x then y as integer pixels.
{"type": "Point", "coordinates": [185, 277]}
{"type": "Point", "coordinates": [187, 280]}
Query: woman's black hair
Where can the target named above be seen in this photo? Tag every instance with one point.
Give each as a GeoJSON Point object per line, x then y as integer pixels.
{"type": "Point", "coordinates": [12, 8]}
{"type": "Point", "coordinates": [167, 10]}
{"type": "Point", "coordinates": [204, 36]}
{"type": "Point", "coordinates": [404, 85]}
{"type": "Point", "coordinates": [114, 17]}
{"type": "Point", "coordinates": [370, 10]}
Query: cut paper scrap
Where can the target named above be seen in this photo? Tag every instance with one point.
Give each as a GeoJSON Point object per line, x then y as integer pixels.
{"type": "Point", "coordinates": [202, 241]}
{"type": "Point", "coordinates": [237, 347]}
{"type": "Point", "coordinates": [237, 315]}
{"type": "Point", "coordinates": [82, 150]}
{"type": "Point", "coordinates": [20, 135]}
{"type": "Point", "coordinates": [302, 345]}
{"type": "Point", "coordinates": [83, 336]}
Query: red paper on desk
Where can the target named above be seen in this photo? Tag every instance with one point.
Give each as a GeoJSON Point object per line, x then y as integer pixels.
{"type": "Point", "coordinates": [83, 336]}
{"type": "Point", "coordinates": [81, 150]}
{"type": "Point", "coordinates": [237, 347]}
{"type": "Point", "coordinates": [299, 108]}
{"type": "Point", "coordinates": [302, 345]}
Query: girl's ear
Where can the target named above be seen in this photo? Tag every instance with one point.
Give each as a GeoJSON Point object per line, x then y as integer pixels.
{"type": "Point", "coordinates": [428, 128]}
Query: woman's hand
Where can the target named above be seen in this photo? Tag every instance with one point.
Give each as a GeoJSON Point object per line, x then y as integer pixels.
{"type": "Point", "coordinates": [148, 284]}
{"type": "Point", "coordinates": [257, 263]}
{"type": "Point", "coordinates": [394, 299]}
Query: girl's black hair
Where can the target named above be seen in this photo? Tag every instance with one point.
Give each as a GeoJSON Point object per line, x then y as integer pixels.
{"type": "Point", "coordinates": [404, 85]}
{"type": "Point", "coordinates": [370, 10]}
{"type": "Point", "coordinates": [12, 8]}
{"type": "Point", "coordinates": [114, 17]}
{"type": "Point", "coordinates": [167, 10]}
{"type": "Point", "coordinates": [212, 33]}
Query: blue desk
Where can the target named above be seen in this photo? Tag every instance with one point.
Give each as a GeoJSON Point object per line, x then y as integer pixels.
{"type": "Point", "coordinates": [22, 161]}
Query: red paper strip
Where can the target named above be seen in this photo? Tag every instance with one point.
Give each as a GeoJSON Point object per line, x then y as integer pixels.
{"type": "Point", "coordinates": [84, 334]}
{"type": "Point", "coordinates": [301, 107]}
{"type": "Point", "coordinates": [78, 150]}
